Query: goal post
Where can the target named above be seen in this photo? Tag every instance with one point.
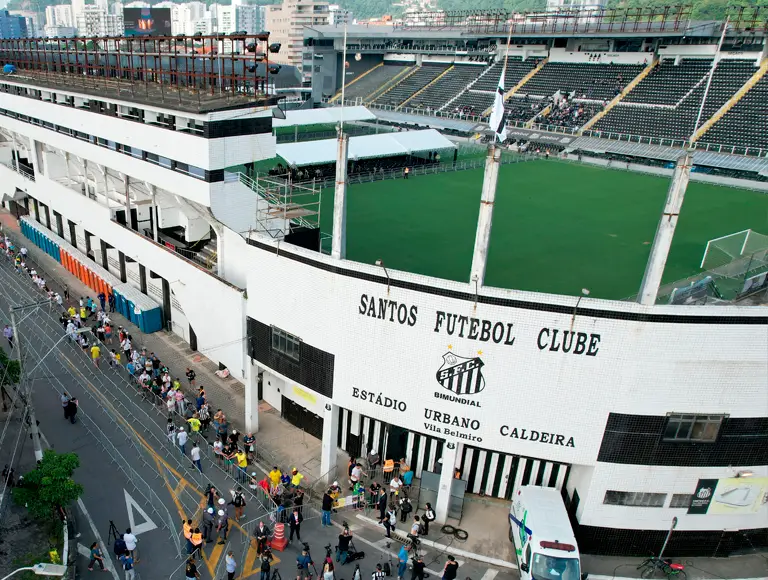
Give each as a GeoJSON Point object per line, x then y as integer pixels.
{"type": "Point", "coordinates": [724, 249]}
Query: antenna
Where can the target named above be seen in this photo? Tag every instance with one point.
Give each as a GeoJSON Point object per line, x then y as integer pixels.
{"type": "Point", "coordinates": [343, 75]}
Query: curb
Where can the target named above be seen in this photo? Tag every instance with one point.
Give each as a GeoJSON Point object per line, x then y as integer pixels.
{"type": "Point", "coordinates": [454, 551]}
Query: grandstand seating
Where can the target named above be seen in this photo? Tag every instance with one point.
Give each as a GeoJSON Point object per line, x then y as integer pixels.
{"type": "Point", "coordinates": [479, 96]}
{"type": "Point", "coordinates": [587, 80]}
{"type": "Point", "coordinates": [745, 124]}
{"type": "Point", "coordinates": [524, 109]}
{"type": "Point", "coordinates": [668, 83]}
{"type": "Point", "coordinates": [447, 87]}
{"type": "Point", "coordinates": [372, 81]}
{"type": "Point", "coordinates": [667, 122]}
{"type": "Point", "coordinates": [471, 102]}
{"type": "Point", "coordinates": [410, 84]}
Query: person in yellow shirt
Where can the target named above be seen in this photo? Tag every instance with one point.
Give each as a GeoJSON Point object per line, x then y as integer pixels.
{"type": "Point", "coordinates": [83, 314]}
{"type": "Point", "coordinates": [95, 354]}
{"type": "Point", "coordinates": [296, 478]}
{"type": "Point", "coordinates": [194, 423]}
{"type": "Point", "coordinates": [242, 463]}
{"type": "Point", "coordinates": [274, 476]}
{"type": "Point", "coordinates": [71, 311]}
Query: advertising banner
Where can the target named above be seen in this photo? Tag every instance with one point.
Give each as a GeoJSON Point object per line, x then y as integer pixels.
{"type": "Point", "coordinates": [735, 495]}
{"type": "Point", "coordinates": [147, 21]}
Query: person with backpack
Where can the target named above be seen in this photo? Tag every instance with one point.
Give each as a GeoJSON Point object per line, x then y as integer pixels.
{"type": "Point", "coordinates": [130, 543]}
{"type": "Point", "coordinates": [238, 500]}
{"type": "Point", "coordinates": [127, 561]}
{"type": "Point", "coordinates": [405, 508]}
{"type": "Point", "coordinates": [119, 548]}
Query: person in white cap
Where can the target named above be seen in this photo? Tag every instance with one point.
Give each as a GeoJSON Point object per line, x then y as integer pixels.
{"type": "Point", "coordinates": [181, 439]}
{"type": "Point", "coordinates": [222, 526]}
{"type": "Point", "coordinates": [208, 521]}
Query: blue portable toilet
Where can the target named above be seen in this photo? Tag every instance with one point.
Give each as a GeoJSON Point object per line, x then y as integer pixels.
{"type": "Point", "coordinates": [139, 308]}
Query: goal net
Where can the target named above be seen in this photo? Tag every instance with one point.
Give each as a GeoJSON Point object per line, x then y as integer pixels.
{"type": "Point", "coordinates": [736, 254]}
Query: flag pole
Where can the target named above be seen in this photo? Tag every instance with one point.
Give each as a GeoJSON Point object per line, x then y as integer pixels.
{"type": "Point", "coordinates": [504, 69]}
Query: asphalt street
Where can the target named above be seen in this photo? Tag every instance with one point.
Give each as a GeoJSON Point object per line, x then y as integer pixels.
{"type": "Point", "coordinates": [133, 475]}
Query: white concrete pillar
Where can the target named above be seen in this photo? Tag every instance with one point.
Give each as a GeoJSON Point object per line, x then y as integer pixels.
{"type": "Point", "coordinates": [339, 238]}
{"type": "Point", "coordinates": [665, 232]}
{"type": "Point", "coordinates": [485, 219]}
{"type": "Point", "coordinates": [220, 253]}
{"type": "Point", "coordinates": [155, 225]}
{"type": "Point", "coordinates": [449, 458]}
{"type": "Point", "coordinates": [330, 440]}
{"type": "Point", "coordinates": [251, 396]}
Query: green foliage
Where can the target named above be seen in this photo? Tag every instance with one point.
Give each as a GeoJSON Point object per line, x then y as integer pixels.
{"type": "Point", "coordinates": [10, 370]}
{"type": "Point", "coordinates": [49, 486]}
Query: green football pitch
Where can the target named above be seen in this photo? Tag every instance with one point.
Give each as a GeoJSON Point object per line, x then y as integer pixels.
{"type": "Point", "coordinates": [558, 227]}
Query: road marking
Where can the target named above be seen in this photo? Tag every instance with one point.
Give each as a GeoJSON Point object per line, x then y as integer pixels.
{"type": "Point", "coordinates": [84, 551]}
{"type": "Point", "coordinates": [104, 548]}
{"type": "Point", "coordinates": [147, 526]}
{"type": "Point", "coordinates": [252, 564]}
{"type": "Point", "coordinates": [97, 535]}
{"type": "Point", "coordinates": [212, 561]}
{"type": "Point", "coordinates": [489, 574]}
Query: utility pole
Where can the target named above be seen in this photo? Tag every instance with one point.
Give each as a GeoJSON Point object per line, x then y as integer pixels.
{"type": "Point", "coordinates": [33, 430]}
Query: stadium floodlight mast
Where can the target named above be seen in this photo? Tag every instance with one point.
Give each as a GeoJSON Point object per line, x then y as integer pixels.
{"type": "Point", "coordinates": [339, 234]}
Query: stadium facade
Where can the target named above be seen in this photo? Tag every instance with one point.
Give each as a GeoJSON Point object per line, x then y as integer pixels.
{"type": "Point", "coordinates": [632, 411]}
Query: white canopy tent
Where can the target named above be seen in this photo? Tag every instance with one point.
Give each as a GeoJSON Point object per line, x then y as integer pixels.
{"type": "Point", "coordinates": [364, 147]}
{"type": "Point", "coordinates": [327, 115]}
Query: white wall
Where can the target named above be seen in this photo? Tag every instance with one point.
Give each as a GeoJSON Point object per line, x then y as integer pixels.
{"type": "Point", "coordinates": [688, 50]}
{"type": "Point", "coordinates": [220, 336]}
{"type": "Point", "coordinates": [638, 367]}
{"type": "Point", "coordinates": [274, 386]}
{"type": "Point", "coordinates": [189, 187]}
{"type": "Point", "coordinates": [659, 479]}
{"type": "Point", "coordinates": [563, 55]}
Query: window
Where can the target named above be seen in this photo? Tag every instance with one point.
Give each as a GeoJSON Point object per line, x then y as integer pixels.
{"type": "Point", "coordinates": [681, 500]}
{"type": "Point", "coordinates": [692, 427]}
{"type": "Point", "coordinates": [634, 499]}
{"type": "Point", "coordinates": [285, 343]}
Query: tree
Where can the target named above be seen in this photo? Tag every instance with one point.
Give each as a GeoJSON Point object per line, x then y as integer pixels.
{"type": "Point", "coordinates": [10, 373]}
{"type": "Point", "coordinates": [45, 489]}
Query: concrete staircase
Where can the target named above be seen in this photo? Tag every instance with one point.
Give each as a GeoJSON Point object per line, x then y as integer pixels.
{"type": "Point", "coordinates": [632, 84]}
{"type": "Point", "coordinates": [337, 96]}
{"type": "Point", "coordinates": [540, 115]}
{"type": "Point", "coordinates": [519, 85]}
{"type": "Point", "coordinates": [729, 104]}
{"type": "Point", "coordinates": [425, 87]}
{"type": "Point", "coordinates": [388, 86]}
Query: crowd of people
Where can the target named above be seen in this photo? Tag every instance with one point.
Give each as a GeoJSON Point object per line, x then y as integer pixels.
{"type": "Point", "coordinates": [231, 451]}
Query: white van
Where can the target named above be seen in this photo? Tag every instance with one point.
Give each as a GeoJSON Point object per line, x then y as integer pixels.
{"type": "Point", "coordinates": [541, 531]}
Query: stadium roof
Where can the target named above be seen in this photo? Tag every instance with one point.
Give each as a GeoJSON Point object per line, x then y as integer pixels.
{"type": "Point", "coordinates": [364, 147]}
{"type": "Point", "coordinates": [302, 117]}
{"type": "Point", "coordinates": [430, 121]}
{"type": "Point", "coordinates": [664, 153]}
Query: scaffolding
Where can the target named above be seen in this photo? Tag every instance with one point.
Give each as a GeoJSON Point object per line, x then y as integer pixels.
{"type": "Point", "coordinates": [284, 207]}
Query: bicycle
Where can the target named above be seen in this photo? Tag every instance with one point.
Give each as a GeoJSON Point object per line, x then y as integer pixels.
{"type": "Point", "coordinates": [666, 566]}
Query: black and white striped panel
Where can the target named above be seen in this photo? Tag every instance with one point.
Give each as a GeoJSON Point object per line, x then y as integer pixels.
{"type": "Point", "coordinates": [358, 435]}
{"type": "Point", "coordinates": [500, 475]}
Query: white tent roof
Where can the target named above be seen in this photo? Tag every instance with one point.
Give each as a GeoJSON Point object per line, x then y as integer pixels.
{"type": "Point", "coordinates": [325, 115]}
{"type": "Point", "coordinates": [364, 147]}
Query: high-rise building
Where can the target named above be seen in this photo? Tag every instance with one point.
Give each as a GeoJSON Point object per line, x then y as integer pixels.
{"type": "Point", "coordinates": [337, 15]}
{"type": "Point", "coordinates": [95, 21]}
{"type": "Point", "coordinates": [250, 18]}
{"type": "Point", "coordinates": [12, 26]}
{"type": "Point", "coordinates": [286, 24]}
{"type": "Point", "coordinates": [59, 15]}
{"type": "Point", "coordinates": [77, 9]}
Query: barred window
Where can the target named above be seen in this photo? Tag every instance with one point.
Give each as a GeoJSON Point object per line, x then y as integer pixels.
{"type": "Point", "coordinates": [681, 500]}
{"type": "Point", "coordinates": [634, 498]}
{"type": "Point", "coordinates": [692, 427]}
{"type": "Point", "coordinates": [285, 343]}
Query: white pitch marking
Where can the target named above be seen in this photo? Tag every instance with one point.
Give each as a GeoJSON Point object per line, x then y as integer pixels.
{"type": "Point", "coordinates": [490, 574]}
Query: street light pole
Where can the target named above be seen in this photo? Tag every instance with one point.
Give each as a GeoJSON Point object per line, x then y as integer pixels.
{"type": "Point", "coordinates": [33, 430]}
